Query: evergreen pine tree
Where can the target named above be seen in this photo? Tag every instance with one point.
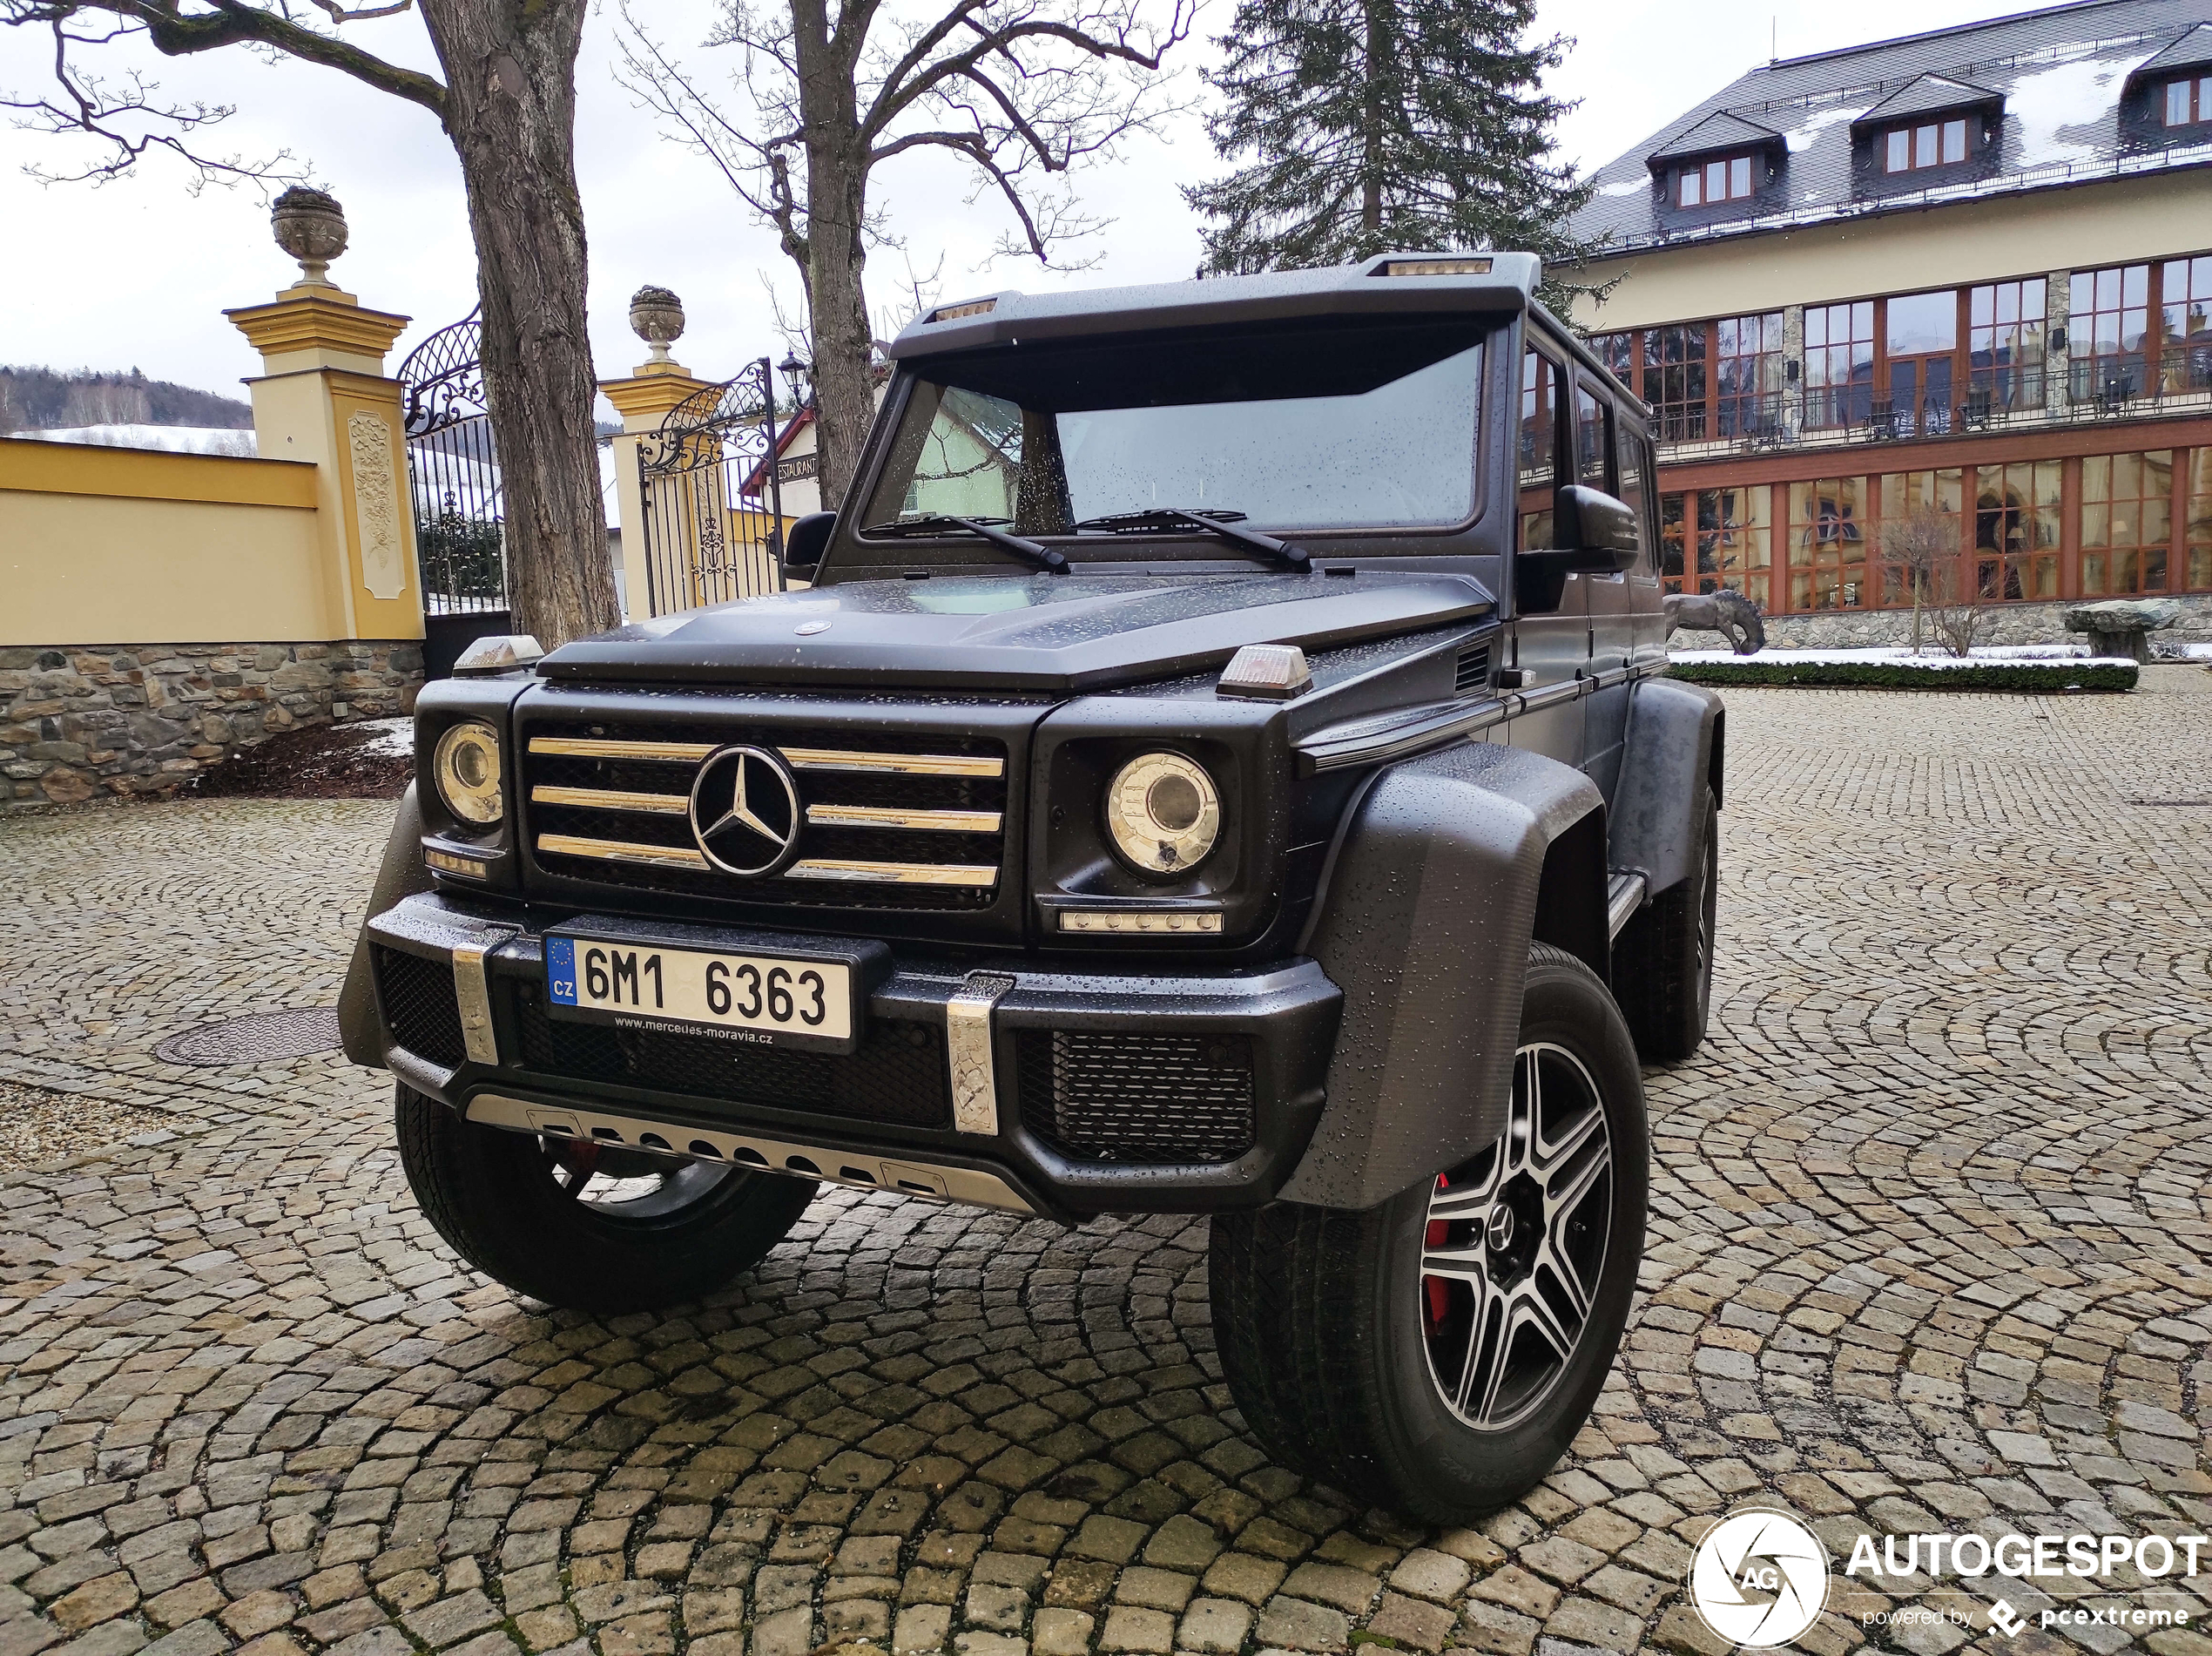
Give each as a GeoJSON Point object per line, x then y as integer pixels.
{"type": "Point", "coordinates": [1367, 125]}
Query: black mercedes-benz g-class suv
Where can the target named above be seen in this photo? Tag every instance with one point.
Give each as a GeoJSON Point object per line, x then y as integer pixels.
{"type": "Point", "coordinates": [1219, 766]}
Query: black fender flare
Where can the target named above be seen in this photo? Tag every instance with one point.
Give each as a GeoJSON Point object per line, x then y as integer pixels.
{"type": "Point", "coordinates": [402, 873]}
{"type": "Point", "coordinates": [1429, 903]}
{"type": "Point", "coordinates": [1673, 752]}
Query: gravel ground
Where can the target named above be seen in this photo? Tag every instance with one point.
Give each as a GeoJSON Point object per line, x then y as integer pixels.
{"type": "Point", "coordinates": [38, 1128]}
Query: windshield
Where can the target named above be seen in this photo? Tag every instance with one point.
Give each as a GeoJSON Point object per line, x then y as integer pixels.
{"type": "Point", "coordinates": [1364, 425]}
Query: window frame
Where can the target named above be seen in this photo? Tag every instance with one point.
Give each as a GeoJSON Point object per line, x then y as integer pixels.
{"type": "Point", "coordinates": [1702, 174]}
{"type": "Point", "coordinates": [1938, 131]}
{"type": "Point", "coordinates": [2195, 88]}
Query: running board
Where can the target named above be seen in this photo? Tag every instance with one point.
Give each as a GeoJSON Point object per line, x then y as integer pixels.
{"type": "Point", "coordinates": [1623, 897]}
{"type": "Point", "coordinates": [862, 1170]}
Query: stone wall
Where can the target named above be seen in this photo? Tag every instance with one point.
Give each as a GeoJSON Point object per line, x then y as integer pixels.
{"type": "Point", "coordinates": [78, 720]}
{"type": "Point", "coordinates": [2009, 624]}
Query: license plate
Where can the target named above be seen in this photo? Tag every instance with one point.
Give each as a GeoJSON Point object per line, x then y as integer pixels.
{"type": "Point", "coordinates": [742, 997]}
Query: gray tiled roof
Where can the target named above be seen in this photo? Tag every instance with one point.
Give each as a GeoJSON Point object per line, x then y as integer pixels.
{"type": "Point", "coordinates": [2192, 50]}
{"type": "Point", "coordinates": [2073, 109]}
{"type": "Point", "coordinates": [1927, 94]}
{"type": "Point", "coordinates": [1718, 132]}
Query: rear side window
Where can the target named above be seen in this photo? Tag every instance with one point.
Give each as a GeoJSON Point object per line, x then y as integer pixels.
{"type": "Point", "coordinates": [1541, 385]}
{"type": "Point", "coordinates": [1593, 440]}
{"type": "Point", "coordinates": [1633, 452]}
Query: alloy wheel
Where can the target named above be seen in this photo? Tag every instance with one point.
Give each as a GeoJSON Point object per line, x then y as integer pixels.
{"type": "Point", "coordinates": [1516, 1244]}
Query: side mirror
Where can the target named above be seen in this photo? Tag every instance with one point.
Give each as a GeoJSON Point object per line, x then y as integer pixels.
{"type": "Point", "coordinates": [804, 546]}
{"type": "Point", "coordinates": [1592, 533]}
{"type": "Point", "coordinates": [1598, 530]}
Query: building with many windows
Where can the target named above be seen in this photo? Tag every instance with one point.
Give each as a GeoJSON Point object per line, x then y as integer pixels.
{"type": "Point", "coordinates": [1962, 279]}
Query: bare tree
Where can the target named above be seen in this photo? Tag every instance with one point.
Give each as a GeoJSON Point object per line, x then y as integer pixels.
{"type": "Point", "coordinates": [1924, 545]}
{"type": "Point", "coordinates": [508, 104]}
{"type": "Point", "coordinates": [1021, 90]}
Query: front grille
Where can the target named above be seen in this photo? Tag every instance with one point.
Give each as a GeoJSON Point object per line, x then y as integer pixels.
{"type": "Point", "coordinates": [419, 1005]}
{"type": "Point", "coordinates": [897, 1074]}
{"type": "Point", "coordinates": [613, 813]}
{"type": "Point", "coordinates": [1104, 1096]}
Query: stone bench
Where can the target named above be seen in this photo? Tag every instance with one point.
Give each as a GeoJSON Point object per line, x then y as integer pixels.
{"type": "Point", "coordinates": [2122, 626]}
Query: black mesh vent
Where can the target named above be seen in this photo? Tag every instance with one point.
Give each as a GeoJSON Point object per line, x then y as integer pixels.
{"type": "Point", "coordinates": [897, 1074]}
{"type": "Point", "coordinates": [1473, 673]}
{"type": "Point", "coordinates": [419, 1005]}
{"type": "Point", "coordinates": [816, 787]}
{"type": "Point", "coordinates": [1103, 1096]}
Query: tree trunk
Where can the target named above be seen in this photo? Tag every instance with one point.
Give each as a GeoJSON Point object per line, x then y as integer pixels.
{"type": "Point", "coordinates": [837, 186]}
{"type": "Point", "coordinates": [1370, 156]}
{"type": "Point", "coordinates": [511, 117]}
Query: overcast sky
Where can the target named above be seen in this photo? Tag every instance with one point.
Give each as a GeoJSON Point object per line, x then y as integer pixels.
{"type": "Point", "coordinates": [135, 274]}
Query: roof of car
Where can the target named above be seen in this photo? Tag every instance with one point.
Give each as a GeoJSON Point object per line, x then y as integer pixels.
{"type": "Point", "coordinates": [1380, 286]}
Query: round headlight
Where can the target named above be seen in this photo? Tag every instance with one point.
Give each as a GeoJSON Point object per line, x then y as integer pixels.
{"type": "Point", "coordinates": [465, 766]}
{"type": "Point", "coordinates": [1163, 813]}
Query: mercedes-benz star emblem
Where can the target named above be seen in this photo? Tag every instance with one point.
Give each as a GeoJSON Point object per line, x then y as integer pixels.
{"type": "Point", "coordinates": [745, 811]}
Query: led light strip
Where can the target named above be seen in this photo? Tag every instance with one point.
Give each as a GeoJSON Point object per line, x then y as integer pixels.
{"type": "Point", "coordinates": [1125, 921]}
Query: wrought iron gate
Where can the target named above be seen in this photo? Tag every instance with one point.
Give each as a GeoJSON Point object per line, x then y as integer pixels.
{"type": "Point", "coordinates": [453, 473]}
{"type": "Point", "coordinates": [713, 502]}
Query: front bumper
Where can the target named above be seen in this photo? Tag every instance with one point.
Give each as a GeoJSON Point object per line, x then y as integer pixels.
{"type": "Point", "coordinates": [1042, 1091]}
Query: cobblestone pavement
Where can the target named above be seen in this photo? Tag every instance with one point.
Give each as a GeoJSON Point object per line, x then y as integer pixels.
{"type": "Point", "coordinates": [1928, 1253]}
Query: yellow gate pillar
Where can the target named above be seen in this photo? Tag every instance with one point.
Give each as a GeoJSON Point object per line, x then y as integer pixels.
{"type": "Point", "coordinates": [323, 397]}
{"type": "Point", "coordinates": [655, 388]}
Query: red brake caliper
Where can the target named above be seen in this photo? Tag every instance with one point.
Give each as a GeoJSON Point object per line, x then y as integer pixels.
{"type": "Point", "coordinates": [1440, 1292]}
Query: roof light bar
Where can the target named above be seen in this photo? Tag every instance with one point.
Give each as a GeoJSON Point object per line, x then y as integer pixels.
{"type": "Point", "coordinates": [954, 313]}
{"type": "Point", "coordinates": [1435, 267]}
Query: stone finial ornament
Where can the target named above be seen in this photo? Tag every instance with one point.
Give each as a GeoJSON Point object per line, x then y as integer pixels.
{"type": "Point", "coordinates": [311, 227]}
{"type": "Point", "coordinates": [657, 317]}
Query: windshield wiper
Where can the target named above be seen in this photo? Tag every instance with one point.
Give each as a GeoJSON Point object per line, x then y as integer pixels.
{"type": "Point", "coordinates": [1042, 557]}
{"type": "Point", "coordinates": [1221, 525]}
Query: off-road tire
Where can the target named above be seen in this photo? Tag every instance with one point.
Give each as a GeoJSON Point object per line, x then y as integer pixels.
{"type": "Point", "coordinates": [1318, 1313]}
{"type": "Point", "coordinates": [491, 1194]}
{"type": "Point", "coordinates": [1662, 962]}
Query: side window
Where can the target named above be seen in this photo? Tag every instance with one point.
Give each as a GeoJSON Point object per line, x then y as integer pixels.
{"type": "Point", "coordinates": [1540, 456]}
{"type": "Point", "coordinates": [1631, 452]}
{"type": "Point", "coordinates": [1593, 441]}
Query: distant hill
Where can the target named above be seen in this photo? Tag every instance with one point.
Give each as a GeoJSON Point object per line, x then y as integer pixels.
{"type": "Point", "coordinates": [37, 399]}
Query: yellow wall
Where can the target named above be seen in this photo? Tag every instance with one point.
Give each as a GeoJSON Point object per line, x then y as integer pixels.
{"type": "Point", "coordinates": [129, 546]}
{"type": "Point", "coordinates": [2114, 222]}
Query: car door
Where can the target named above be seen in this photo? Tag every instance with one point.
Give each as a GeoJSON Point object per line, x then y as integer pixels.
{"type": "Point", "coordinates": [1551, 650]}
{"type": "Point", "coordinates": [1610, 599]}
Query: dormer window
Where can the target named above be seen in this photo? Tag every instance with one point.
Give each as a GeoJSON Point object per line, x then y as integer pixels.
{"type": "Point", "coordinates": [1726, 179]}
{"type": "Point", "coordinates": [2189, 102]}
{"type": "Point", "coordinates": [1909, 149]}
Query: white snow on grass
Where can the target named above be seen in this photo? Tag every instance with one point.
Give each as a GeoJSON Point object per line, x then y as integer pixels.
{"type": "Point", "coordinates": [385, 738]}
{"type": "Point", "coordinates": [1996, 655]}
{"type": "Point", "coordinates": [175, 439]}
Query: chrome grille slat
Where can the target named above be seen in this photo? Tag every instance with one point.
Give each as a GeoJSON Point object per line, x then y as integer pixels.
{"type": "Point", "coordinates": [690, 752]}
{"type": "Point", "coordinates": [577, 845]}
{"type": "Point", "coordinates": [919, 874]}
{"type": "Point", "coordinates": [894, 764]}
{"type": "Point", "coordinates": [612, 799]}
{"type": "Point", "coordinates": [885, 816]}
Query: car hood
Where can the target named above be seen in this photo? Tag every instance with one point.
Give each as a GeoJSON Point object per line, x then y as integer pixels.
{"type": "Point", "coordinates": [1048, 633]}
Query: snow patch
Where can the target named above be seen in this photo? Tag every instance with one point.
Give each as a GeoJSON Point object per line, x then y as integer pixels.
{"type": "Point", "coordinates": [385, 738]}
{"type": "Point", "coordinates": [1803, 138]}
{"type": "Point", "coordinates": [1625, 186]}
{"type": "Point", "coordinates": [174, 439]}
{"type": "Point", "coordinates": [2065, 97]}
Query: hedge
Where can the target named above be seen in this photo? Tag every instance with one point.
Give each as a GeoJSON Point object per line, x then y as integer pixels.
{"type": "Point", "coordinates": [2031, 678]}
